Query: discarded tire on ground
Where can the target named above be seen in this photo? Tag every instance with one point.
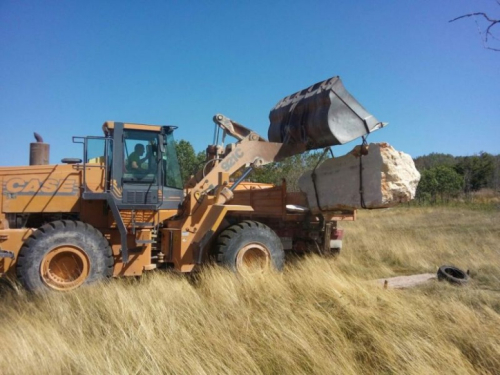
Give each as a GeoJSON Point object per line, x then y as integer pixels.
{"type": "Point", "coordinates": [248, 245]}
{"type": "Point", "coordinates": [62, 255]}
{"type": "Point", "coordinates": [453, 275]}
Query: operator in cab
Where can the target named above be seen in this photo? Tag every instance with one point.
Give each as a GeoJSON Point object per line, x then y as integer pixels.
{"type": "Point", "coordinates": [135, 161]}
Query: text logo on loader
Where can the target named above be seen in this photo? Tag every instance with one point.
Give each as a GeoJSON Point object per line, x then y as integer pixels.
{"type": "Point", "coordinates": [20, 186]}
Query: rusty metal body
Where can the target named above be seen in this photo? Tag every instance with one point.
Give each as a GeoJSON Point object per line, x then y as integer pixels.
{"type": "Point", "coordinates": [39, 151]}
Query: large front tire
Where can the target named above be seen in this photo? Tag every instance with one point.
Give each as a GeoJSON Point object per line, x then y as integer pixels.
{"type": "Point", "coordinates": [249, 245]}
{"type": "Point", "coordinates": [64, 255]}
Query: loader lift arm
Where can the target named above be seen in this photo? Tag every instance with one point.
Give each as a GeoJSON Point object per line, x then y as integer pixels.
{"type": "Point", "coordinates": [251, 150]}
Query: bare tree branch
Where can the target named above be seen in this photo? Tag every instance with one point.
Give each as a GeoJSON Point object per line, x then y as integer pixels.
{"type": "Point", "coordinates": [488, 33]}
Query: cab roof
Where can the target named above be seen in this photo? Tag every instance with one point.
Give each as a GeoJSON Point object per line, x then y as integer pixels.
{"type": "Point", "coordinates": [108, 126]}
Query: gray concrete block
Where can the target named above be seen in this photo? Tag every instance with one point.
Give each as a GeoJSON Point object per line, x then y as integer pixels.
{"type": "Point", "coordinates": [389, 177]}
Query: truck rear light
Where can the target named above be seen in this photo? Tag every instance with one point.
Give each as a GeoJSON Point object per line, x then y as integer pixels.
{"type": "Point", "coordinates": [337, 234]}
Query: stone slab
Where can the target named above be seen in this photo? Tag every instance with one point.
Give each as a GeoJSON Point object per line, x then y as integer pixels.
{"type": "Point", "coordinates": [388, 176]}
{"type": "Point", "coordinates": [403, 282]}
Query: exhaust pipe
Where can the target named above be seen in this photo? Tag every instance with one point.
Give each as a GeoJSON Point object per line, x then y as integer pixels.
{"type": "Point", "coordinates": [39, 151]}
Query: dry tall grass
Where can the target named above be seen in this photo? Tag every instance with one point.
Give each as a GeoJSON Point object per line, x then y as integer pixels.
{"type": "Point", "coordinates": [320, 316]}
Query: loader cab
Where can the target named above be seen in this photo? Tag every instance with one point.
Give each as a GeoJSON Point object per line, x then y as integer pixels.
{"type": "Point", "coordinates": [140, 166]}
{"type": "Point", "coordinates": [145, 171]}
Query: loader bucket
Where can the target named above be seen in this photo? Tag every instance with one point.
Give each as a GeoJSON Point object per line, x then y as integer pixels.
{"type": "Point", "coordinates": [322, 115]}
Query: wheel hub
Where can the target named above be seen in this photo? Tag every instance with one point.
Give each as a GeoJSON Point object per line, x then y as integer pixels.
{"type": "Point", "coordinates": [254, 256]}
{"type": "Point", "coordinates": [65, 267]}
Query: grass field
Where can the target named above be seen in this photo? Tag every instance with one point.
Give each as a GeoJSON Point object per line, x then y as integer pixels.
{"type": "Point", "coordinates": [321, 316]}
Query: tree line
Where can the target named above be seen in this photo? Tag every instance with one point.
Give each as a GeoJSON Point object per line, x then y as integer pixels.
{"type": "Point", "coordinates": [443, 176]}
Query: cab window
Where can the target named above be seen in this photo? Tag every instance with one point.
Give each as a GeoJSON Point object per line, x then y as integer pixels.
{"type": "Point", "coordinates": [140, 156]}
{"type": "Point", "coordinates": [171, 169]}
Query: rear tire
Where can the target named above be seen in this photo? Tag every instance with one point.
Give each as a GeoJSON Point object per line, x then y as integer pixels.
{"type": "Point", "coordinates": [64, 255]}
{"type": "Point", "coordinates": [249, 245]}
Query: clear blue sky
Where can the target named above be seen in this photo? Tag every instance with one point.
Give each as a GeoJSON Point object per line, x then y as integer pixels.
{"type": "Point", "coordinates": [67, 66]}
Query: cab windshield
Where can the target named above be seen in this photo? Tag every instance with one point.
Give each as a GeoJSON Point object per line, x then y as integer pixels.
{"type": "Point", "coordinates": [142, 155]}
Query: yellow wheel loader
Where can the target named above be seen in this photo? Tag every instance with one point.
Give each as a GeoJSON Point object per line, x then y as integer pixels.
{"type": "Point", "coordinates": [122, 210]}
